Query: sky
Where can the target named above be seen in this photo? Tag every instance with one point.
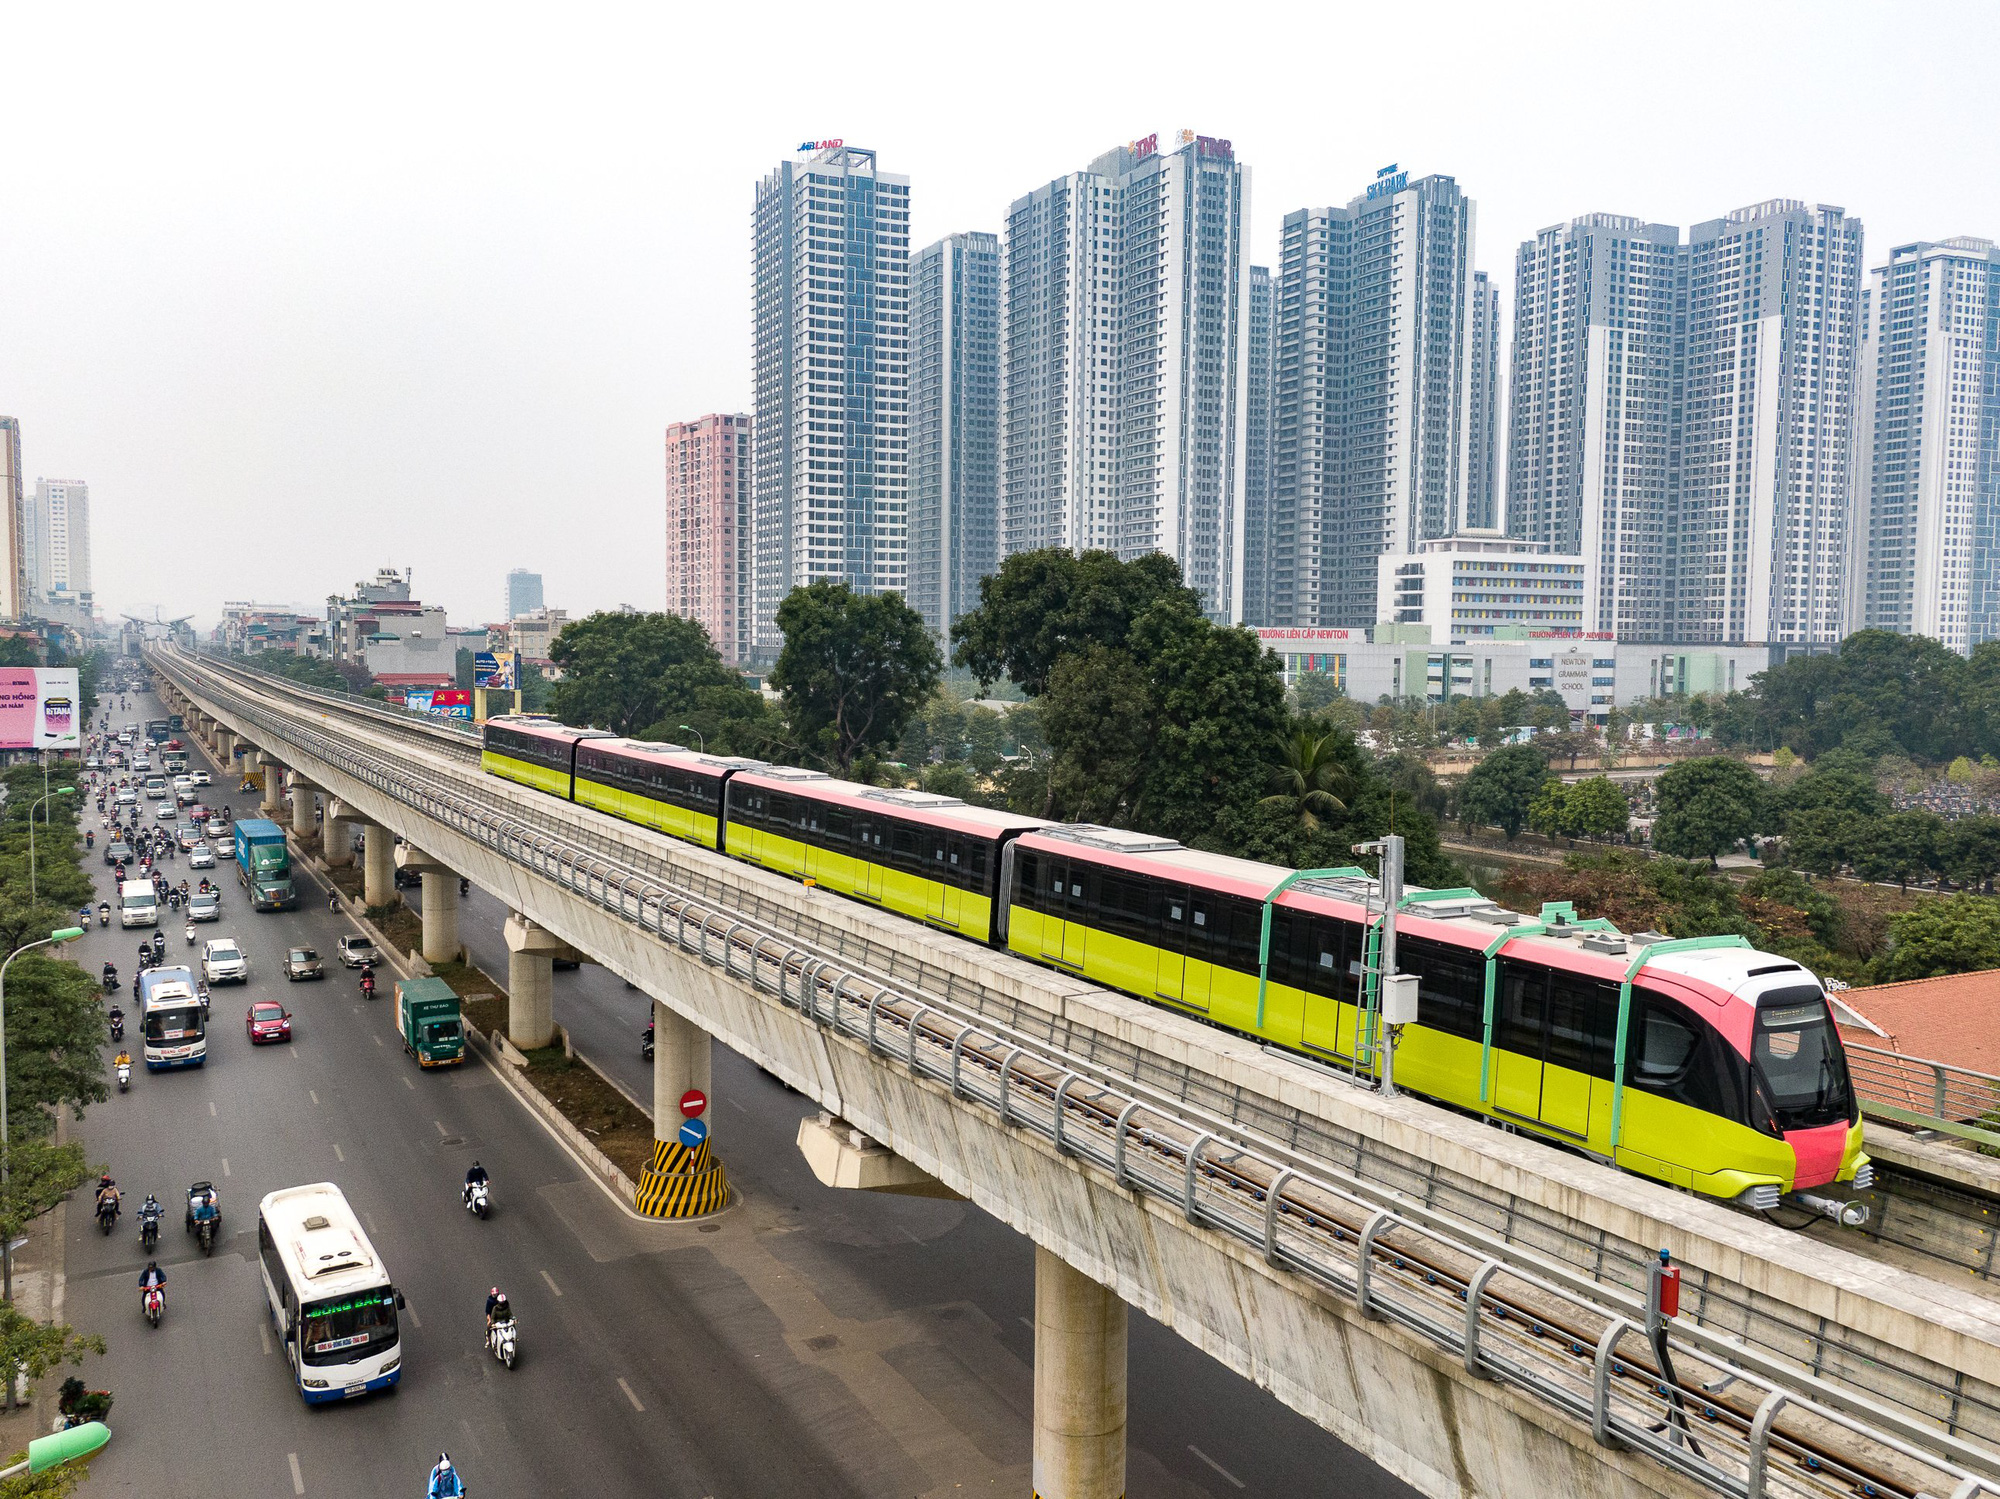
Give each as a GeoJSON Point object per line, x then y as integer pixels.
{"type": "Point", "coordinates": [302, 291]}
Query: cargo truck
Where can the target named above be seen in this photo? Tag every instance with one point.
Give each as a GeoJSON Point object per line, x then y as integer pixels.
{"type": "Point", "coordinates": [427, 1017]}
{"type": "Point", "coordinates": [264, 864]}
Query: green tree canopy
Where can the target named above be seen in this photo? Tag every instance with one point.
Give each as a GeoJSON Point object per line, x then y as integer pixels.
{"type": "Point", "coordinates": [1706, 807]}
{"type": "Point", "coordinates": [1041, 606]}
{"type": "Point", "coordinates": [1958, 935]}
{"type": "Point", "coordinates": [1969, 851]}
{"type": "Point", "coordinates": [1309, 778]}
{"type": "Point", "coordinates": [628, 672]}
{"type": "Point", "coordinates": [853, 670]}
{"type": "Point", "coordinates": [1501, 787]}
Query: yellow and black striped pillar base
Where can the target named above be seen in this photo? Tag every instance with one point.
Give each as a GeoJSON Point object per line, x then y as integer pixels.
{"type": "Point", "coordinates": [682, 1183]}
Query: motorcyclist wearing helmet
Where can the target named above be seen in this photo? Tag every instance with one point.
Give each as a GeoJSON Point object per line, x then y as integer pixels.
{"type": "Point", "coordinates": [473, 1173]}
{"type": "Point", "coordinates": [497, 1309]}
{"type": "Point", "coordinates": [445, 1482]}
{"type": "Point", "coordinates": [107, 1191]}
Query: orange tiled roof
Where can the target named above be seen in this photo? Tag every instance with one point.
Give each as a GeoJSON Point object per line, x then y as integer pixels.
{"type": "Point", "coordinates": [1954, 1019]}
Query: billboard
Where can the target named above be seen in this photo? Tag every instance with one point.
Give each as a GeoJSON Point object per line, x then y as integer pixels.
{"type": "Point", "coordinates": [39, 708]}
{"type": "Point", "coordinates": [444, 702]}
{"type": "Point", "coordinates": [495, 669]}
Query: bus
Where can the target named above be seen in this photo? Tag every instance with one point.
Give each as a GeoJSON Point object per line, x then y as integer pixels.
{"type": "Point", "coordinates": [330, 1299]}
{"type": "Point", "coordinates": [159, 730]}
{"type": "Point", "coordinates": [171, 1019]}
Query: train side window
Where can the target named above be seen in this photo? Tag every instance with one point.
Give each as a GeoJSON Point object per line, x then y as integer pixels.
{"type": "Point", "coordinates": [1583, 1023]}
{"type": "Point", "coordinates": [1244, 923]}
{"type": "Point", "coordinates": [839, 822]}
{"type": "Point", "coordinates": [977, 865]}
{"type": "Point", "coordinates": [1680, 1056]}
{"type": "Point", "coordinates": [1521, 1008]}
{"type": "Point", "coordinates": [1451, 985]}
{"type": "Point", "coordinates": [904, 851]}
{"type": "Point", "coordinates": [1027, 889]}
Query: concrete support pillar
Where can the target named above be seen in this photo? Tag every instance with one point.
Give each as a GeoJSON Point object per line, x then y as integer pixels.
{"type": "Point", "coordinates": [303, 821]}
{"type": "Point", "coordinates": [440, 916]}
{"type": "Point", "coordinates": [1079, 1384]}
{"type": "Point", "coordinates": [225, 751]}
{"type": "Point", "coordinates": [272, 803]}
{"type": "Point", "coordinates": [336, 840]}
{"type": "Point", "coordinates": [531, 1008]}
{"type": "Point", "coordinates": [378, 870]}
{"type": "Point", "coordinates": [685, 1179]}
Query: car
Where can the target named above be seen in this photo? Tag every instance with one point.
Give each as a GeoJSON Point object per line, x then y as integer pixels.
{"type": "Point", "coordinates": [125, 735]}
{"type": "Point", "coordinates": [202, 778]}
{"type": "Point", "coordinates": [175, 744]}
{"type": "Point", "coordinates": [267, 1020]}
{"type": "Point", "coordinates": [183, 783]}
{"type": "Point", "coordinates": [201, 856]}
{"type": "Point", "coordinates": [198, 813]}
{"type": "Point", "coordinates": [222, 962]}
{"type": "Point", "coordinates": [357, 951]}
{"type": "Point", "coordinates": [156, 788]}
{"type": "Point", "coordinates": [187, 835]}
{"type": "Point", "coordinates": [166, 812]}
{"type": "Point", "coordinates": [215, 827]}
{"type": "Point", "coordinates": [141, 763]}
{"type": "Point", "coordinates": [118, 851]}
{"type": "Point", "coordinates": [93, 762]}
{"type": "Point", "coordinates": [185, 799]}
{"type": "Point", "coordinates": [127, 797]}
{"type": "Point", "coordinates": [204, 905]}
{"type": "Point", "coordinates": [303, 963]}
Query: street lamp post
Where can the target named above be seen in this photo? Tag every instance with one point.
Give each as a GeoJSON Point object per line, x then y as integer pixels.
{"type": "Point", "coordinates": [46, 794]}
{"type": "Point", "coordinates": [60, 934]}
{"type": "Point", "coordinates": [701, 742]}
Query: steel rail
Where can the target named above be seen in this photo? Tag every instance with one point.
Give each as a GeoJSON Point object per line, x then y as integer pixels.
{"type": "Point", "coordinates": [1295, 1236]}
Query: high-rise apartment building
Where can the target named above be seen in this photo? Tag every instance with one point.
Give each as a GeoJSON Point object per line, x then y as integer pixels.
{"type": "Point", "coordinates": [13, 506]}
{"type": "Point", "coordinates": [1484, 415]}
{"type": "Point", "coordinates": [1124, 345]}
{"type": "Point", "coordinates": [708, 528]}
{"type": "Point", "coordinates": [954, 424]}
{"type": "Point", "coordinates": [830, 363]}
{"type": "Point", "coordinates": [1926, 524]}
{"type": "Point", "coordinates": [524, 592]}
{"type": "Point", "coordinates": [1599, 314]}
{"type": "Point", "coordinates": [1375, 308]}
{"type": "Point", "coordinates": [61, 511]}
{"type": "Point", "coordinates": [1683, 416]}
{"type": "Point", "coordinates": [1767, 441]}
{"type": "Point", "coordinates": [1260, 388]}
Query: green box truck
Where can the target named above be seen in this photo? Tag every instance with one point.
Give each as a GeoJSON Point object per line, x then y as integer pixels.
{"type": "Point", "coordinates": [264, 864]}
{"type": "Point", "coordinates": [427, 1017]}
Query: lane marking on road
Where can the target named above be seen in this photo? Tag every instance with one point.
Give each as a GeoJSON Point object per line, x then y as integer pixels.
{"type": "Point", "coordinates": [225, 1165]}
{"type": "Point", "coordinates": [441, 1129]}
{"type": "Point", "coordinates": [339, 1154]}
{"type": "Point", "coordinates": [298, 1479]}
{"type": "Point", "coordinates": [264, 1338]}
{"type": "Point", "coordinates": [1215, 1465]}
{"type": "Point", "coordinates": [410, 1085]}
{"type": "Point", "coordinates": [211, 1108]}
{"type": "Point", "coordinates": [1025, 1323]}
{"type": "Point", "coordinates": [378, 1041]}
{"type": "Point", "coordinates": [630, 1396]}
{"type": "Point", "coordinates": [415, 1320]}
{"type": "Point", "coordinates": [552, 1282]}
{"type": "Point", "coordinates": [293, 1051]}
{"type": "Point", "coordinates": [312, 1095]}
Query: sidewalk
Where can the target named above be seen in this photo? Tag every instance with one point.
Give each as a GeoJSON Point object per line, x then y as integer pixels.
{"type": "Point", "coordinates": [38, 1293]}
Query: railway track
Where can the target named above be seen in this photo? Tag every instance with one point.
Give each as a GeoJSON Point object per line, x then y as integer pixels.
{"type": "Point", "coordinates": [1722, 1412]}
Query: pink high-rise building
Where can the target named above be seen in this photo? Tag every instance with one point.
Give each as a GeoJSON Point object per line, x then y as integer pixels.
{"type": "Point", "coordinates": [708, 528]}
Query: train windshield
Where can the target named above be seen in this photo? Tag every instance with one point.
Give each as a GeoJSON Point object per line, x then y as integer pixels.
{"type": "Point", "coordinates": [1797, 1057]}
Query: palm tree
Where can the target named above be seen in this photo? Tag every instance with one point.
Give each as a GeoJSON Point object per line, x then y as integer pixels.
{"type": "Point", "coordinates": [1308, 778]}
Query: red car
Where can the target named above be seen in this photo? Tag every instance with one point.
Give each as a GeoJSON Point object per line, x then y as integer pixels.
{"type": "Point", "coordinates": [268, 1021]}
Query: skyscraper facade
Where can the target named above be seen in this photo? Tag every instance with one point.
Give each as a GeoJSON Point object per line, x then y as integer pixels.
{"type": "Point", "coordinates": [1767, 442]}
{"type": "Point", "coordinates": [1259, 393]}
{"type": "Point", "coordinates": [62, 540]}
{"type": "Point", "coordinates": [1374, 353]}
{"type": "Point", "coordinates": [524, 592]}
{"type": "Point", "coordinates": [13, 506]}
{"type": "Point", "coordinates": [708, 528]}
{"type": "Point", "coordinates": [1124, 346]}
{"type": "Point", "coordinates": [1921, 558]}
{"type": "Point", "coordinates": [830, 362]}
{"type": "Point", "coordinates": [1483, 410]}
{"type": "Point", "coordinates": [1599, 318]}
{"type": "Point", "coordinates": [954, 424]}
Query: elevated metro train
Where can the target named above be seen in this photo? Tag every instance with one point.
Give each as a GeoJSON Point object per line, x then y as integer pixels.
{"type": "Point", "coordinates": [1700, 1062]}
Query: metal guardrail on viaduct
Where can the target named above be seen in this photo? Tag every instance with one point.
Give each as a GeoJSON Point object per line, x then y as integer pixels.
{"type": "Point", "coordinates": [1569, 1353]}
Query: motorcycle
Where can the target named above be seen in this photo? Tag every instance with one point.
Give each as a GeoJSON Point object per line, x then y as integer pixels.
{"type": "Point", "coordinates": [107, 1214]}
{"type": "Point", "coordinates": [109, 981]}
{"type": "Point", "coordinates": [504, 1341]}
{"type": "Point", "coordinates": [124, 1076]}
{"type": "Point", "coordinates": [104, 915]}
{"type": "Point", "coordinates": [190, 934]}
{"type": "Point", "coordinates": [477, 1199]}
{"type": "Point", "coordinates": [646, 1042]}
{"type": "Point", "coordinates": [367, 983]}
{"type": "Point", "coordinates": [155, 1304]}
{"type": "Point", "coordinates": [149, 1231]}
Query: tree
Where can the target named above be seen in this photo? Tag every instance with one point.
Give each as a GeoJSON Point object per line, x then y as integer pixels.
{"type": "Point", "coordinates": [40, 1348]}
{"type": "Point", "coordinates": [39, 1175]}
{"type": "Point", "coordinates": [853, 670]}
{"type": "Point", "coordinates": [55, 1029]}
{"type": "Point", "coordinates": [1308, 778]}
{"type": "Point", "coordinates": [1821, 840]}
{"type": "Point", "coordinates": [627, 672]}
{"type": "Point", "coordinates": [1969, 852]}
{"type": "Point", "coordinates": [1598, 809]}
{"type": "Point", "coordinates": [1501, 786]}
{"type": "Point", "coordinates": [1822, 789]}
{"type": "Point", "coordinates": [1041, 606]}
{"type": "Point", "coordinates": [1898, 847]}
{"type": "Point", "coordinates": [1548, 813]}
{"type": "Point", "coordinates": [1959, 935]}
{"type": "Point", "coordinates": [1706, 807]}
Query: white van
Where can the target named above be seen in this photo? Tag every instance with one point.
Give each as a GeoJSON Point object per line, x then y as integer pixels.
{"type": "Point", "coordinates": [137, 904]}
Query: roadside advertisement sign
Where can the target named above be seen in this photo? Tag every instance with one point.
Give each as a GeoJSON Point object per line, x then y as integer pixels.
{"type": "Point", "coordinates": [495, 669]}
{"type": "Point", "coordinates": [39, 709]}
{"type": "Point", "coordinates": [451, 702]}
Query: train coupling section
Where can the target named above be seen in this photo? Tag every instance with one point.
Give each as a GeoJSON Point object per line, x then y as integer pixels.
{"type": "Point", "coordinates": [1844, 1211]}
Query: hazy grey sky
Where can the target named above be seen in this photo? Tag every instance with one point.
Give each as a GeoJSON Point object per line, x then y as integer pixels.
{"type": "Point", "coordinates": [303, 290]}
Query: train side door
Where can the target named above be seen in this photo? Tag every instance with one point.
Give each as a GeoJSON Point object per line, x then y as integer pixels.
{"type": "Point", "coordinates": [1206, 943]}
{"type": "Point", "coordinates": [1082, 896]}
{"type": "Point", "coordinates": [1173, 930]}
{"type": "Point", "coordinates": [1318, 961]}
{"type": "Point", "coordinates": [1052, 894]}
{"type": "Point", "coordinates": [1519, 1033]}
{"type": "Point", "coordinates": [870, 850]}
{"type": "Point", "coordinates": [1576, 1062]}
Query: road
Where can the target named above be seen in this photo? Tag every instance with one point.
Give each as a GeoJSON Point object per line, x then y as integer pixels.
{"type": "Point", "coordinates": [807, 1342]}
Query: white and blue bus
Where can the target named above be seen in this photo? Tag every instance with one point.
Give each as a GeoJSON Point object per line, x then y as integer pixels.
{"type": "Point", "coordinates": [172, 1023]}
{"type": "Point", "coordinates": [330, 1298]}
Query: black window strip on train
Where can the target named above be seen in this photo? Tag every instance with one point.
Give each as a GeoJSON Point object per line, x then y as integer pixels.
{"type": "Point", "coordinates": [535, 748]}
{"type": "Point", "coordinates": [667, 783]}
{"type": "Point", "coordinates": [965, 861]}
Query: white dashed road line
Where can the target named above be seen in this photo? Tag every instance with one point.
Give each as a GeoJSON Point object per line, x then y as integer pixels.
{"type": "Point", "coordinates": [552, 1282]}
{"type": "Point", "coordinates": [339, 1154]}
{"type": "Point", "coordinates": [1215, 1465]}
{"type": "Point", "coordinates": [298, 1479]}
{"type": "Point", "coordinates": [630, 1396]}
